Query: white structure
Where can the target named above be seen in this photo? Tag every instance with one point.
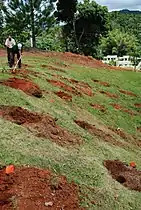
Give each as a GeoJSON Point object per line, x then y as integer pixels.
{"type": "Point", "coordinates": [107, 59]}
{"type": "Point", "coordinates": [124, 62]}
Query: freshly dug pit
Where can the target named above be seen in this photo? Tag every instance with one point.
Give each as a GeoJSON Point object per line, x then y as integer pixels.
{"type": "Point", "coordinates": [37, 189]}
{"type": "Point", "coordinates": [99, 107]}
{"type": "Point", "coordinates": [26, 86]}
{"type": "Point", "coordinates": [99, 133]}
{"type": "Point", "coordinates": [110, 95]}
{"type": "Point", "coordinates": [53, 68]}
{"type": "Point", "coordinates": [128, 93]}
{"type": "Point", "coordinates": [64, 95]}
{"type": "Point", "coordinates": [119, 107]}
{"type": "Point", "coordinates": [138, 105]}
{"type": "Point", "coordinates": [40, 125]}
{"type": "Point", "coordinates": [64, 86]}
{"type": "Point", "coordinates": [124, 174]}
{"type": "Point", "coordinates": [84, 87]}
{"type": "Point", "coordinates": [106, 84]}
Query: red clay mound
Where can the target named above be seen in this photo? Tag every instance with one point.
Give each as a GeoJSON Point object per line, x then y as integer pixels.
{"type": "Point", "coordinates": [99, 133]}
{"type": "Point", "coordinates": [36, 189]}
{"type": "Point", "coordinates": [64, 96]}
{"type": "Point", "coordinates": [124, 174]}
{"type": "Point", "coordinates": [40, 125]}
{"type": "Point", "coordinates": [64, 86]}
{"type": "Point", "coordinates": [110, 95]}
{"type": "Point", "coordinates": [84, 87]}
{"type": "Point", "coordinates": [119, 107]}
{"type": "Point", "coordinates": [26, 86]}
{"type": "Point", "coordinates": [128, 93]}
{"type": "Point", "coordinates": [53, 68]}
{"type": "Point", "coordinates": [99, 107]}
{"type": "Point", "coordinates": [106, 84]}
{"type": "Point", "coordinates": [138, 105]}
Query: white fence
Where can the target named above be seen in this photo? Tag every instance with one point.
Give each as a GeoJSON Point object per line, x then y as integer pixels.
{"type": "Point", "coordinates": [124, 62]}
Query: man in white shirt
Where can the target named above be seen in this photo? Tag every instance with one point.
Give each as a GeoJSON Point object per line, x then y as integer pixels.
{"type": "Point", "coordinates": [9, 43]}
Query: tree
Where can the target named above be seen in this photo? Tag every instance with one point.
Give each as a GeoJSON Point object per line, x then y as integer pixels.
{"type": "Point", "coordinates": [84, 24]}
{"type": "Point", "coordinates": [118, 43]}
{"type": "Point", "coordinates": [90, 25]}
{"type": "Point", "coordinates": [23, 16]}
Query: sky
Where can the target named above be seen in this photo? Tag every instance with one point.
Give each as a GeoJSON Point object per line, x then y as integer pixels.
{"type": "Point", "coordinates": [120, 4]}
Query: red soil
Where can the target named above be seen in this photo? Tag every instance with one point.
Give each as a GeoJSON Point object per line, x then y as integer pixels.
{"type": "Point", "coordinates": [128, 93]}
{"type": "Point", "coordinates": [124, 174]}
{"type": "Point", "coordinates": [84, 87]}
{"type": "Point", "coordinates": [40, 125]}
{"type": "Point", "coordinates": [106, 84]}
{"type": "Point", "coordinates": [138, 105]}
{"type": "Point", "coordinates": [119, 107]}
{"type": "Point", "coordinates": [64, 96]}
{"type": "Point", "coordinates": [99, 107]}
{"type": "Point", "coordinates": [34, 189]}
{"type": "Point", "coordinates": [53, 68]}
{"type": "Point", "coordinates": [99, 133]}
{"type": "Point", "coordinates": [110, 95]}
{"type": "Point", "coordinates": [64, 86]}
{"type": "Point", "coordinates": [26, 86]}
{"type": "Point", "coordinates": [139, 129]}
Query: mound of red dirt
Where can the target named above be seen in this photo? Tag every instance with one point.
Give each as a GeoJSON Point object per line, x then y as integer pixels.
{"type": "Point", "coordinates": [64, 95]}
{"type": "Point", "coordinates": [34, 189]}
{"type": "Point", "coordinates": [124, 174]}
{"type": "Point", "coordinates": [106, 84]}
{"type": "Point", "coordinates": [40, 125]}
{"type": "Point", "coordinates": [128, 93]}
{"type": "Point", "coordinates": [53, 68]}
{"type": "Point", "coordinates": [99, 107]}
{"type": "Point", "coordinates": [138, 105]}
{"type": "Point", "coordinates": [99, 133]}
{"type": "Point", "coordinates": [64, 86]}
{"type": "Point", "coordinates": [110, 95]}
{"type": "Point", "coordinates": [119, 107]}
{"type": "Point", "coordinates": [84, 87]}
{"type": "Point", "coordinates": [26, 86]}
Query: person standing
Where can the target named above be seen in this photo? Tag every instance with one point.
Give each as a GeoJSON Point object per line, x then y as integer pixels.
{"type": "Point", "coordinates": [9, 43]}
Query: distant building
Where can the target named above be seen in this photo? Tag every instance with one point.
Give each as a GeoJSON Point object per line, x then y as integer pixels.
{"type": "Point", "coordinates": [123, 62]}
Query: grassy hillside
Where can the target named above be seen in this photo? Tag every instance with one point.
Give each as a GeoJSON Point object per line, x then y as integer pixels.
{"type": "Point", "coordinates": [81, 163]}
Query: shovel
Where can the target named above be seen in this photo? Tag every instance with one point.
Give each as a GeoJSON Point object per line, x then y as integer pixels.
{"type": "Point", "coordinates": [17, 63]}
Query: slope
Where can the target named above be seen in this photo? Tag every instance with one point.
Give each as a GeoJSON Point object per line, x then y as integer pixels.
{"type": "Point", "coordinates": [83, 99]}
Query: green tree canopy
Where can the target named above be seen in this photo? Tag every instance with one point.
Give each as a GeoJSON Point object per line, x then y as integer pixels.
{"type": "Point", "coordinates": [118, 43]}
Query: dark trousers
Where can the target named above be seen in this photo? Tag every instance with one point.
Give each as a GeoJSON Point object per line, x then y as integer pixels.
{"type": "Point", "coordinates": [18, 57]}
{"type": "Point", "coordinates": [10, 57]}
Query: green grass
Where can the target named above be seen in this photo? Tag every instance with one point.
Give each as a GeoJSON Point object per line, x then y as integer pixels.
{"type": "Point", "coordinates": [83, 164]}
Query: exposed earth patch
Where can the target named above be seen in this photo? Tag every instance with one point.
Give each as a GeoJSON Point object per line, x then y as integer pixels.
{"type": "Point", "coordinates": [40, 125]}
{"type": "Point", "coordinates": [106, 84]}
{"type": "Point", "coordinates": [64, 86]}
{"type": "Point", "coordinates": [128, 176]}
{"type": "Point", "coordinates": [99, 107]}
{"type": "Point", "coordinates": [26, 86]}
{"type": "Point", "coordinates": [110, 95]}
{"type": "Point", "coordinates": [36, 189]}
{"type": "Point", "coordinates": [99, 133]}
{"type": "Point", "coordinates": [129, 93]}
{"type": "Point", "coordinates": [49, 67]}
{"type": "Point", "coordinates": [119, 107]}
{"type": "Point", "coordinates": [64, 95]}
